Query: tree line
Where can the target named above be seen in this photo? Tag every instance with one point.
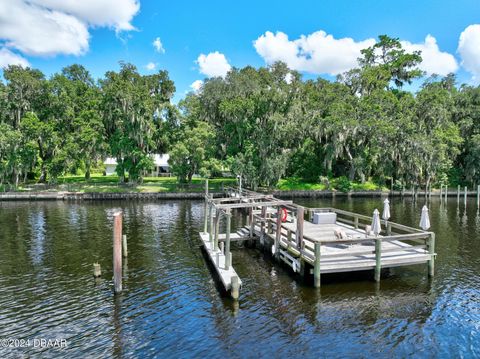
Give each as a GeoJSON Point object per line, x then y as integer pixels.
{"type": "Point", "coordinates": [263, 124]}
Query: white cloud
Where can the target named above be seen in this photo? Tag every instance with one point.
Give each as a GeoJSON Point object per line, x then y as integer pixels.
{"type": "Point", "coordinates": [320, 53]}
{"type": "Point", "coordinates": [51, 27]}
{"type": "Point", "coordinates": [157, 44]}
{"type": "Point", "coordinates": [151, 66]}
{"type": "Point", "coordinates": [196, 85]}
{"type": "Point", "coordinates": [116, 14]}
{"type": "Point", "coordinates": [9, 58]}
{"type": "Point", "coordinates": [434, 61]}
{"type": "Point", "coordinates": [469, 50]}
{"type": "Point", "coordinates": [214, 64]}
{"type": "Point", "coordinates": [317, 53]}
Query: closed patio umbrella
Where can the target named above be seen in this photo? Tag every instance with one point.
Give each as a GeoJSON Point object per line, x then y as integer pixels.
{"type": "Point", "coordinates": [386, 210]}
{"type": "Point", "coordinates": [376, 226]}
{"type": "Point", "coordinates": [424, 219]}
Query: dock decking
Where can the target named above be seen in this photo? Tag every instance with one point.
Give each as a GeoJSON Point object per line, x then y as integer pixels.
{"type": "Point", "coordinates": [306, 247]}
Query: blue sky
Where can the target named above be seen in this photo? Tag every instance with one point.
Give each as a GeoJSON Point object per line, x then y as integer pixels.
{"type": "Point", "coordinates": [100, 33]}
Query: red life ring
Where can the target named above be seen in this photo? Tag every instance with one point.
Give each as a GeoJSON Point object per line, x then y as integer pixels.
{"type": "Point", "coordinates": [284, 214]}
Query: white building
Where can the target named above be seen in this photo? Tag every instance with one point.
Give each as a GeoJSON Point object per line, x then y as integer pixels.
{"type": "Point", "coordinates": [161, 166]}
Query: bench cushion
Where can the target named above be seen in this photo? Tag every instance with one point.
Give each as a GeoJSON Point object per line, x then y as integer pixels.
{"type": "Point", "coordinates": [325, 218]}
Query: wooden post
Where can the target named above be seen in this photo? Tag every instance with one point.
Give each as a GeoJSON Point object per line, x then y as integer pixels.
{"type": "Point", "coordinates": [228, 258]}
{"type": "Point", "coordinates": [403, 191]}
{"type": "Point", "coordinates": [310, 215]}
{"type": "Point", "coordinates": [205, 223]}
{"type": "Point", "coordinates": [117, 251]}
{"type": "Point", "coordinates": [465, 196]}
{"type": "Point", "coordinates": [278, 233]}
{"type": "Point", "coordinates": [97, 271]}
{"type": "Point", "coordinates": [210, 215]}
{"type": "Point", "coordinates": [217, 230]}
{"type": "Point", "coordinates": [299, 232]}
{"type": "Point", "coordinates": [389, 229]}
{"type": "Point", "coordinates": [478, 196]}
{"type": "Point", "coordinates": [458, 194]}
{"type": "Point", "coordinates": [441, 193]}
{"type": "Point", "coordinates": [252, 223]}
{"type": "Point", "coordinates": [235, 287]}
{"type": "Point", "coordinates": [431, 251]}
{"type": "Point", "coordinates": [378, 258]}
{"type": "Point", "coordinates": [355, 222]}
{"type": "Point", "coordinates": [264, 217]}
{"type": "Point", "coordinates": [124, 245]}
{"type": "Point", "coordinates": [446, 193]}
{"type": "Point", "coordinates": [316, 268]}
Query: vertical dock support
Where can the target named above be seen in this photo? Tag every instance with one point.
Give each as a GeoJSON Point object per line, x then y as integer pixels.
{"type": "Point", "coordinates": [299, 232]}
{"type": "Point", "coordinates": [431, 251]}
{"type": "Point", "coordinates": [465, 196]}
{"type": "Point", "coordinates": [316, 267]}
{"type": "Point", "coordinates": [264, 217]}
{"type": "Point", "coordinates": [441, 193]}
{"type": "Point", "coordinates": [446, 193]}
{"type": "Point", "coordinates": [117, 251]}
{"type": "Point", "coordinates": [124, 245]}
{"type": "Point", "coordinates": [210, 216]}
{"type": "Point", "coordinates": [228, 255]}
{"type": "Point", "coordinates": [235, 287]}
{"type": "Point", "coordinates": [458, 194]}
{"type": "Point", "coordinates": [278, 233]}
{"type": "Point", "coordinates": [217, 230]}
{"type": "Point", "coordinates": [355, 222]}
{"type": "Point", "coordinates": [478, 196]}
{"type": "Point", "coordinates": [251, 221]}
{"type": "Point", "coordinates": [378, 259]}
{"type": "Point", "coordinates": [205, 223]}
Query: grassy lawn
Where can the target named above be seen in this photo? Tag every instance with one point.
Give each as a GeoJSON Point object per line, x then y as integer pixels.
{"type": "Point", "coordinates": [292, 184]}
{"type": "Point", "coordinates": [110, 184]}
{"type": "Point", "coordinates": [100, 183]}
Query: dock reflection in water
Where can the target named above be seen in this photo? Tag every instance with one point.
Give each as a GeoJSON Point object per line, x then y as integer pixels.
{"type": "Point", "coordinates": [171, 306]}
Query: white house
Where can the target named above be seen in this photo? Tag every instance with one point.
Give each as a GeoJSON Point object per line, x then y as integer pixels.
{"type": "Point", "coordinates": [161, 166]}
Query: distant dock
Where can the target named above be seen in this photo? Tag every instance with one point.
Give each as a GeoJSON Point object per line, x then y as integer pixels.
{"type": "Point", "coordinates": [288, 232]}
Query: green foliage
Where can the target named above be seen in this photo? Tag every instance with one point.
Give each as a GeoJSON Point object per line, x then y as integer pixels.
{"type": "Point", "coordinates": [360, 132]}
{"type": "Point", "coordinates": [342, 184]}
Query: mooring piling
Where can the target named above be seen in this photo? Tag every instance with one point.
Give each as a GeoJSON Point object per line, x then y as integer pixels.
{"type": "Point", "coordinates": [465, 196]}
{"type": "Point", "coordinates": [235, 287]}
{"type": "Point", "coordinates": [124, 246]}
{"type": "Point", "coordinates": [97, 271]}
{"type": "Point", "coordinates": [217, 230]}
{"type": "Point", "coordinates": [117, 251]}
{"type": "Point", "coordinates": [478, 196]}
{"type": "Point", "coordinates": [458, 194]}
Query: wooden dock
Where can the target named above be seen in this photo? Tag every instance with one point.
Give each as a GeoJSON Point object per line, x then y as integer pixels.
{"type": "Point", "coordinates": [287, 231]}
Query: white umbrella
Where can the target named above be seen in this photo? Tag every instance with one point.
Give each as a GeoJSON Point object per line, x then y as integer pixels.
{"type": "Point", "coordinates": [424, 219]}
{"type": "Point", "coordinates": [386, 209]}
{"type": "Point", "coordinates": [376, 226]}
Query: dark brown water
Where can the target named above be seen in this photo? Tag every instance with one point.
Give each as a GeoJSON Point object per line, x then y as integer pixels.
{"type": "Point", "coordinates": [171, 306]}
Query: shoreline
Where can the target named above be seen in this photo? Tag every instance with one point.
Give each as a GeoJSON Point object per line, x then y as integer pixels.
{"type": "Point", "coordinates": [100, 196]}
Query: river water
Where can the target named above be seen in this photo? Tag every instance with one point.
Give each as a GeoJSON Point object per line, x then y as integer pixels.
{"type": "Point", "coordinates": [171, 307]}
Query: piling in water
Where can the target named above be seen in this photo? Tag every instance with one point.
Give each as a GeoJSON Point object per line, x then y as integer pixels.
{"type": "Point", "coordinates": [97, 271]}
{"type": "Point", "coordinates": [235, 288]}
{"type": "Point", "coordinates": [117, 251]}
{"type": "Point", "coordinates": [465, 196]}
{"type": "Point", "coordinates": [124, 245]}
